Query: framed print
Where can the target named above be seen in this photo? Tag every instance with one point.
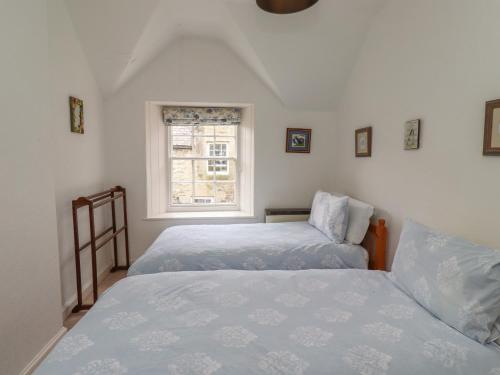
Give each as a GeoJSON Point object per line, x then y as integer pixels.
{"type": "Point", "coordinates": [491, 145]}
{"type": "Point", "coordinates": [298, 140]}
{"type": "Point", "coordinates": [412, 135]}
{"type": "Point", "coordinates": [363, 139]}
{"type": "Point", "coordinates": [76, 115]}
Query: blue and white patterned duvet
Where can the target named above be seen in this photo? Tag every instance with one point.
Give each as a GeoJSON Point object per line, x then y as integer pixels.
{"type": "Point", "coordinates": [342, 322]}
{"type": "Point", "coordinates": [277, 246]}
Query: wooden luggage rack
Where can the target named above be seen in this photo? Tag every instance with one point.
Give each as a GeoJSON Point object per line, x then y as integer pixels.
{"type": "Point", "coordinates": [92, 202]}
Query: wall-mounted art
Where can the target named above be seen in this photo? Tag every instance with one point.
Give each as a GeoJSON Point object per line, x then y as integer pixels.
{"type": "Point", "coordinates": [76, 115]}
{"type": "Point", "coordinates": [363, 139]}
{"type": "Point", "coordinates": [298, 140]}
{"type": "Point", "coordinates": [412, 135]}
{"type": "Point", "coordinates": [491, 144]}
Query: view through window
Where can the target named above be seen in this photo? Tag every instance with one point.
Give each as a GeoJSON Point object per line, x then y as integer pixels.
{"type": "Point", "coordinates": [203, 161]}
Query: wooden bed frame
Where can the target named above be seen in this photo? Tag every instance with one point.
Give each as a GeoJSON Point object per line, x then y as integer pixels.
{"type": "Point", "coordinates": [375, 242]}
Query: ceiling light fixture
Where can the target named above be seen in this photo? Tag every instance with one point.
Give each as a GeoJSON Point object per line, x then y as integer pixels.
{"type": "Point", "coordinates": [285, 6]}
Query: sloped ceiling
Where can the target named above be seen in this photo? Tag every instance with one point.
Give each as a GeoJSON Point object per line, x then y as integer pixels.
{"type": "Point", "coordinates": [304, 58]}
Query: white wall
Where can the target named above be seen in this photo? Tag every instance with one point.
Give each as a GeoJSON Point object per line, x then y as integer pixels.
{"type": "Point", "coordinates": [201, 70]}
{"type": "Point", "coordinates": [30, 299]}
{"type": "Point", "coordinates": [78, 159]}
{"type": "Point", "coordinates": [438, 61]}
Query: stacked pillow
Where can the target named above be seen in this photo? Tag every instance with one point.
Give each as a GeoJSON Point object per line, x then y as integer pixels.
{"type": "Point", "coordinates": [455, 280]}
{"type": "Point", "coordinates": [359, 220]}
{"type": "Point", "coordinates": [330, 215]}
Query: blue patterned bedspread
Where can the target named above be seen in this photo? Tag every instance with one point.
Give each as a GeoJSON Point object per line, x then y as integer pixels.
{"type": "Point", "coordinates": [342, 322]}
{"type": "Point", "coordinates": [277, 246]}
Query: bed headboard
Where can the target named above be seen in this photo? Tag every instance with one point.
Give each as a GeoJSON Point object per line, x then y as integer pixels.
{"type": "Point", "coordinates": [375, 242]}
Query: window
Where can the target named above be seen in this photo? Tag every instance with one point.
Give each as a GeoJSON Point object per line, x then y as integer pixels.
{"type": "Point", "coordinates": [200, 159]}
{"type": "Point", "coordinates": [218, 166]}
{"type": "Point", "coordinates": [203, 162]}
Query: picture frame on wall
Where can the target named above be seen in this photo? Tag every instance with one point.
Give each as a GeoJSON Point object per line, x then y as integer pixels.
{"type": "Point", "coordinates": [412, 135]}
{"type": "Point", "coordinates": [76, 115]}
{"type": "Point", "coordinates": [491, 144]}
{"type": "Point", "coordinates": [298, 140]}
{"type": "Point", "coordinates": [363, 142]}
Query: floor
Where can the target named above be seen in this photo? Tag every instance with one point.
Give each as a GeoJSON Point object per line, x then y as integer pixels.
{"type": "Point", "coordinates": [106, 283]}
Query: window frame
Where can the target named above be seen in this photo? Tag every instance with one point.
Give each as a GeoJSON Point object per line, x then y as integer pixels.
{"type": "Point", "coordinates": [158, 165]}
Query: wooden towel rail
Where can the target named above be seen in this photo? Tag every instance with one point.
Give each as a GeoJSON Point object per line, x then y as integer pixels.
{"type": "Point", "coordinates": [97, 241]}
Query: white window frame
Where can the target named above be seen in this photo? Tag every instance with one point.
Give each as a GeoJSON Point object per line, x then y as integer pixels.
{"type": "Point", "coordinates": [158, 165]}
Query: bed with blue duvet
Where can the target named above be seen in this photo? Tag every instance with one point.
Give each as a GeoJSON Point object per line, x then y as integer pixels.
{"type": "Point", "coordinates": [436, 312]}
{"type": "Point", "coordinates": [276, 246]}
{"type": "Point", "coordinates": [344, 322]}
{"type": "Point", "coordinates": [331, 239]}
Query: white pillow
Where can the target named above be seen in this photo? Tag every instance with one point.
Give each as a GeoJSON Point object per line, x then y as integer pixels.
{"type": "Point", "coordinates": [359, 220]}
{"type": "Point", "coordinates": [330, 215]}
{"type": "Point", "coordinates": [319, 205]}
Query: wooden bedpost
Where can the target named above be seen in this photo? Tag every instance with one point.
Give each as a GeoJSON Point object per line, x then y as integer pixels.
{"type": "Point", "coordinates": [375, 242]}
{"type": "Point", "coordinates": [380, 246]}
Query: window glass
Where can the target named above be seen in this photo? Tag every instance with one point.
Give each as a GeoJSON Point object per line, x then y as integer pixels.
{"type": "Point", "coordinates": [203, 164]}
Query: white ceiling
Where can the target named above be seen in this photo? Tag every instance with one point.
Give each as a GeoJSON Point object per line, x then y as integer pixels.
{"type": "Point", "coordinates": [305, 58]}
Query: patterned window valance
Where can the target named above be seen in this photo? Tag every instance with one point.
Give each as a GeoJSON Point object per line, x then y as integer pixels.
{"type": "Point", "coordinates": [201, 116]}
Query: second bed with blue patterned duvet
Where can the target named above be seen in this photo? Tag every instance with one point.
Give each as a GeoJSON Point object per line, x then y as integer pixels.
{"type": "Point", "coordinates": [277, 246]}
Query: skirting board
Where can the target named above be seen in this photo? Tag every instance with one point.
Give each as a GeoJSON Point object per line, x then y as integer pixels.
{"type": "Point", "coordinates": [30, 367]}
{"type": "Point", "coordinates": [86, 290]}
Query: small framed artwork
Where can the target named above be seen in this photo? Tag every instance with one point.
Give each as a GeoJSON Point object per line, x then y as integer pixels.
{"type": "Point", "coordinates": [412, 135]}
{"type": "Point", "coordinates": [363, 139]}
{"type": "Point", "coordinates": [76, 115]}
{"type": "Point", "coordinates": [298, 140]}
{"type": "Point", "coordinates": [491, 144]}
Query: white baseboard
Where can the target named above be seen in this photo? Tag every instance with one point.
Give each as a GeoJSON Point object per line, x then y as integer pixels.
{"type": "Point", "coordinates": [30, 367]}
{"type": "Point", "coordinates": [86, 291]}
